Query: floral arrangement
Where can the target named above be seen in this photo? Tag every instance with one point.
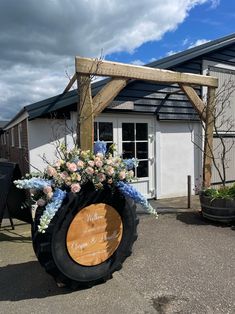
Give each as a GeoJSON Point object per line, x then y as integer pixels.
{"type": "Point", "coordinates": [74, 169]}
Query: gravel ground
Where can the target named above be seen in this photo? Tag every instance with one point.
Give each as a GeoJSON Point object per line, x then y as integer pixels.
{"type": "Point", "coordinates": [180, 264]}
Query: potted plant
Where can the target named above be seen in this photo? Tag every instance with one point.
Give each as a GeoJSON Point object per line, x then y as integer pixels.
{"type": "Point", "coordinates": [218, 204]}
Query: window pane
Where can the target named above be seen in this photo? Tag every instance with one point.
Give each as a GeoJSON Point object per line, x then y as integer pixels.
{"type": "Point", "coordinates": [142, 169]}
{"type": "Point", "coordinates": [142, 150]}
{"type": "Point", "coordinates": [108, 146]}
{"type": "Point", "coordinates": [128, 132]}
{"type": "Point", "coordinates": [141, 131]}
{"type": "Point", "coordinates": [95, 132]}
{"type": "Point", "coordinates": [128, 150]}
{"type": "Point", "coordinates": [106, 131]}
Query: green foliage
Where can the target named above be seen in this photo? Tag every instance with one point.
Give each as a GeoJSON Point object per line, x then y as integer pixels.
{"type": "Point", "coordinates": [224, 192]}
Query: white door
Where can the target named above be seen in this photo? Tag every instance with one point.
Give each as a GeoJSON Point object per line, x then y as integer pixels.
{"type": "Point", "coordinates": [134, 137]}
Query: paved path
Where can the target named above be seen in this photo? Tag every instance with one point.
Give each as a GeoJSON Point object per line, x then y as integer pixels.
{"type": "Point", "coordinates": [180, 264]}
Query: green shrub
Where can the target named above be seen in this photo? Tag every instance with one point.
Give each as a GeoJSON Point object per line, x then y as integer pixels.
{"type": "Point", "coordinates": [224, 192]}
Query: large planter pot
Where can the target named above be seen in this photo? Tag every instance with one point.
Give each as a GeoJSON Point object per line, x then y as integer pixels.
{"type": "Point", "coordinates": [89, 237]}
{"type": "Point", "coordinates": [221, 210]}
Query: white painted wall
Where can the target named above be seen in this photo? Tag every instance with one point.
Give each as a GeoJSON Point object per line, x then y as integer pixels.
{"type": "Point", "coordinates": [175, 154]}
{"type": "Point", "coordinates": [43, 135]}
{"type": "Point", "coordinates": [177, 157]}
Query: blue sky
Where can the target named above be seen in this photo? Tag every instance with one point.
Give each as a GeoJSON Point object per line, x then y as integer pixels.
{"type": "Point", "coordinates": [204, 22]}
{"type": "Point", "coordinates": [39, 39]}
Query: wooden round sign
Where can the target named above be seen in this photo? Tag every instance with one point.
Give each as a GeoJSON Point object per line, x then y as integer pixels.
{"type": "Point", "coordinates": [94, 234]}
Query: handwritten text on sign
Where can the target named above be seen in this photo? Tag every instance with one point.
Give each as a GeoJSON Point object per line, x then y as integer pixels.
{"type": "Point", "coordinates": [94, 234]}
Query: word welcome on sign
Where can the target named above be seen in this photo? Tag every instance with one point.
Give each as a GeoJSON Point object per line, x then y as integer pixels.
{"type": "Point", "coordinates": [94, 234]}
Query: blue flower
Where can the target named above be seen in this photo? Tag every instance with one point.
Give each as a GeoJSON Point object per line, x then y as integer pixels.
{"type": "Point", "coordinates": [130, 163]}
{"type": "Point", "coordinates": [100, 147]}
{"type": "Point", "coordinates": [33, 183]}
{"type": "Point", "coordinates": [129, 191]}
{"type": "Point", "coordinates": [58, 195]}
{"type": "Point", "coordinates": [51, 209]}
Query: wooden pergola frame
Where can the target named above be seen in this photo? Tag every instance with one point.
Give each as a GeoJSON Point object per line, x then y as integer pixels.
{"type": "Point", "coordinates": [89, 107]}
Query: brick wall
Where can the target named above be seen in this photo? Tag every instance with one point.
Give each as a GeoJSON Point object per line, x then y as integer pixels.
{"type": "Point", "coordinates": [13, 150]}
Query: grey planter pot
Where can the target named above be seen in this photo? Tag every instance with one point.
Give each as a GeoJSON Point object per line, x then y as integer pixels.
{"type": "Point", "coordinates": [221, 210]}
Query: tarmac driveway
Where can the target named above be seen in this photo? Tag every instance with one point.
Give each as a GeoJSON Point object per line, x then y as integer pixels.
{"type": "Point", "coordinates": [180, 264]}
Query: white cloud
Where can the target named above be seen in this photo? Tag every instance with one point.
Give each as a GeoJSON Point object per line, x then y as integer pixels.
{"type": "Point", "coordinates": [137, 62]}
{"type": "Point", "coordinates": [185, 41]}
{"type": "Point", "coordinates": [198, 43]}
{"type": "Point", "coordinates": [39, 39]}
{"type": "Point", "coordinates": [152, 60]}
{"type": "Point", "coordinates": [215, 4]}
{"type": "Point", "coordinates": [172, 52]}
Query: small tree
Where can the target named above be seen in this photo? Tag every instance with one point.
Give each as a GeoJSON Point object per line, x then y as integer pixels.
{"type": "Point", "coordinates": [224, 123]}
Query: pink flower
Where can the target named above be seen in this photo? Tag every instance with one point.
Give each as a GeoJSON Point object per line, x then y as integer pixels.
{"type": "Point", "coordinates": [78, 177]}
{"type": "Point", "coordinates": [57, 164]}
{"type": "Point", "coordinates": [122, 175]}
{"type": "Point", "coordinates": [75, 187]}
{"type": "Point", "coordinates": [51, 171]}
{"type": "Point", "coordinates": [80, 164]}
{"type": "Point", "coordinates": [68, 181]}
{"type": "Point", "coordinates": [97, 159]}
{"type": "Point", "coordinates": [89, 170]}
{"type": "Point", "coordinates": [109, 162]}
{"type": "Point", "coordinates": [99, 163]}
{"type": "Point", "coordinates": [47, 189]}
{"type": "Point", "coordinates": [64, 175]}
{"type": "Point", "coordinates": [49, 195]}
{"type": "Point", "coordinates": [72, 167]}
{"type": "Point", "coordinates": [41, 202]}
{"type": "Point", "coordinates": [101, 177]}
{"type": "Point", "coordinates": [109, 170]}
{"type": "Point", "coordinates": [91, 163]}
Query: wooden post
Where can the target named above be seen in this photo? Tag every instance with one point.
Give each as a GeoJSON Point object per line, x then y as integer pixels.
{"type": "Point", "coordinates": [86, 116]}
{"type": "Point", "coordinates": [189, 190]}
{"type": "Point", "coordinates": [78, 114]}
{"type": "Point", "coordinates": [208, 144]}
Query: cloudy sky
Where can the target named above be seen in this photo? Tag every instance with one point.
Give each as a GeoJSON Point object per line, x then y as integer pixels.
{"type": "Point", "coordinates": [39, 39]}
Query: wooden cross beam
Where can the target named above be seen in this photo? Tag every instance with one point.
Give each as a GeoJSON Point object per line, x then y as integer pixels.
{"type": "Point", "coordinates": [195, 100]}
{"type": "Point", "coordinates": [121, 74]}
{"type": "Point", "coordinates": [70, 84]}
{"type": "Point", "coordinates": [128, 71]}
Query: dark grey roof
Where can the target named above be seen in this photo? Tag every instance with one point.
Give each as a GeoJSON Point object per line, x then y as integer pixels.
{"type": "Point", "coordinates": [3, 123]}
{"type": "Point", "coordinates": [70, 98]}
{"type": "Point", "coordinates": [197, 51]}
{"type": "Point", "coordinates": [58, 102]}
